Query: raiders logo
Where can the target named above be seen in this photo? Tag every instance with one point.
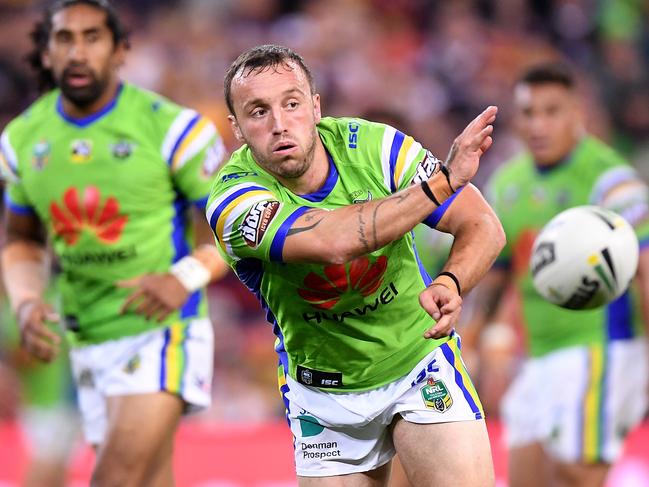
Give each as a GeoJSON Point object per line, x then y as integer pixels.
{"type": "Point", "coordinates": [257, 220]}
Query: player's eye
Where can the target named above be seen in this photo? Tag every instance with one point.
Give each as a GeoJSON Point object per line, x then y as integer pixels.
{"type": "Point", "coordinates": [92, 36]}
{"type": "Point", "coordinates": [293, 105]}
{"type": "Point", "coordinates": [258, 112]}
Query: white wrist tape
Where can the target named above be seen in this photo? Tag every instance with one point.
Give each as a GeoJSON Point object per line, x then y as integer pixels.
{"type": "Point", "coordinates": [191, 273]}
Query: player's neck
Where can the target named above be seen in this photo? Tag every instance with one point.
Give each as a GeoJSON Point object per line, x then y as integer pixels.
{"type": "Point", "coordinates": [314, 178]}
{"type": "Point", "coordinates": [76, 111]}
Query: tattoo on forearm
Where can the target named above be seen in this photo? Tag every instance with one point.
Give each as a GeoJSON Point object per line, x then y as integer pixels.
{"type": "Point", "coordinates": [361, 229]}
{"type": "Point", "coordinates": [296, 230]}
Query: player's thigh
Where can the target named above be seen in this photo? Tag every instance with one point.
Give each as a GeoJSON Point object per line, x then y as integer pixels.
{"type": "Point", "coordinates": [374, 478]}
{"type": "Point", "coordinates": [525, 459]}
{"type": "Point", "coordinates": [398, 476]}
{"type": "Point", "coordinates": [579, 474]}
{"type": "Point", "coordinates": [140, 429]}
{"type": "Point", "coordinates": [460, 449]}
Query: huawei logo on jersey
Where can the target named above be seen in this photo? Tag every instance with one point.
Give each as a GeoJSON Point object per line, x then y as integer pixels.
{"type": "Point", "coordinates": [102, 218]}
{"type": "Point", "coordinates": [359, 276]}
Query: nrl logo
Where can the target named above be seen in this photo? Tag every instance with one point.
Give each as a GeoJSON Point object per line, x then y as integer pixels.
{"type": "Point", "coordinates": [436, 395]}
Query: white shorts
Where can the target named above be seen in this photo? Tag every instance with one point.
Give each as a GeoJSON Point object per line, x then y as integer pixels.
{"type": "Point", "coordinates": [177, 359]}
{"type": "Point", "coordinates": [580, 402]}
{"type": "Point", "coordinates": [50, 432]}
{"type": "Point", "coordinates": [337, 434]}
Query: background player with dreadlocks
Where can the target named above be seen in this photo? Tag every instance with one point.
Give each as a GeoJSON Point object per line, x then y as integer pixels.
{"type": "Point", "coordinates": [111, 173]}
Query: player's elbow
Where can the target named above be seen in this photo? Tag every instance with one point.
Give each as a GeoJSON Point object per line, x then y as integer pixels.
{"type": "Point", "coordinates": [498, 238]}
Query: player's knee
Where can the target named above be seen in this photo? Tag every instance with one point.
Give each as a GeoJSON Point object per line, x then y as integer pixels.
{"type": "Point", "coordinates": [119, 471]}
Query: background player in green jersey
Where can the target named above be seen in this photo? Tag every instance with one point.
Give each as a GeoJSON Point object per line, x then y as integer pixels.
{"type": "Point", "coordinates": [46, 406]}
{"type": "Point", "coordinates": [111, 173]}
{"type": "Point", "coordinates": [584, 385]}
{"type": "Point", "coordinates": [314, 214]}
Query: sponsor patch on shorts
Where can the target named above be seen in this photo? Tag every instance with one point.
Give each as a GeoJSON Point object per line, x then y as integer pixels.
{"type": "Point", "coordinates": [436, 395]}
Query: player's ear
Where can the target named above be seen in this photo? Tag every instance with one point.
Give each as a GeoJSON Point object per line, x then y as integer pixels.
{"type": "Point", "coordinates": [119, 54]}
{"type": "Point", "coordinates": [46, 61]}
{"type": "Point", "coordinates": [317, 114]}
{"type": "Point", "coordinates": [235, 128]}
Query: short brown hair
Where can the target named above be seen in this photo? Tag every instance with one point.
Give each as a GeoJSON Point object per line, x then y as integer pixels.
{"type": "Point", "coordinates": [549, 72]}
{"type": "Point", "coordinates": [258, 59]}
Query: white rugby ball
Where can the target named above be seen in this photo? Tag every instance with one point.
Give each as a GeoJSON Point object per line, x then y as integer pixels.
{"type": "Point", "coordinates": [584, 257]}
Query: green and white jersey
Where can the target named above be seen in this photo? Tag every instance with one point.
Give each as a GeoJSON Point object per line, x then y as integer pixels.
{"type": "Point", "coordinates": [355, 326]}
{"type": "Point", "coordinates": [114, 190]}
{"type": "Point", "coordinates": [526, 197]}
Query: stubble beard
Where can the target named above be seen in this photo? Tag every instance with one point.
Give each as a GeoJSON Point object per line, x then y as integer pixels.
{"type": "Point", "coordinates": [85, 96]}
{"type": "Point", "coordinates": [290, 170]}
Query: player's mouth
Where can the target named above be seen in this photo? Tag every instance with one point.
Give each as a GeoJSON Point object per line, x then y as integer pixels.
{"type": "Point", "coordinates": [77, 78]}
{"type": "Point", "coordinates": [284, 148]}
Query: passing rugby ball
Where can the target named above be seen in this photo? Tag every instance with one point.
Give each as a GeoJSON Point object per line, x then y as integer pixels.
{"type": "Point", "coordinates": [584, 257]}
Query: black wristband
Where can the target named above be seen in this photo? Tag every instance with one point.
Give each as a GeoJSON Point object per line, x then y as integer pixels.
{"type": "Point", "coordinates": [447, 173]}
{"type": "Point", "coordinates": [428, 192]}
{"type": "Point", "coordinates": [455, 280]}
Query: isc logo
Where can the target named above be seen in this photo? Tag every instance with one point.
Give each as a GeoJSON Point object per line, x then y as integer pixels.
{"type": "Point", "coordinates": [353, 134]}
{"type": "Point", "coordinates": [329, 382]}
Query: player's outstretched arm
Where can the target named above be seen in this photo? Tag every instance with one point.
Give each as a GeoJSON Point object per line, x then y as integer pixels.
{"type": "Point", "coordinates": [479, 238]}
{"type": "Point", "coordinates": [341, 235]}
{"type": "Point", "coordinates": [25, 271]}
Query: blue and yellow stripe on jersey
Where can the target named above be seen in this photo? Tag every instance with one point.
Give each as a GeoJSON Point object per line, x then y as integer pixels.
{"type": "Point", "coordinates": [173, 358]}
{"type": "Point", "coordinates": [8, 159]}
{"type": "Point", "coordinates": [224, 211]}
{"type": "Point", "coordinates": [593, 414]}
{"type": "Point", "coordinates": [451, 352]}
{"type": "Point", "coordinates": [188, 135]}
{"type": "Point", "coordinates": [398, 153]}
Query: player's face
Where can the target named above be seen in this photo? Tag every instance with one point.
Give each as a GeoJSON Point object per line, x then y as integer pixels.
{"type": "Point", "coordinates": [548, 119]}
{"type": "Point", "coordinates": [276, 114]}
{"type": "Point", "coordinates": [81, 53]}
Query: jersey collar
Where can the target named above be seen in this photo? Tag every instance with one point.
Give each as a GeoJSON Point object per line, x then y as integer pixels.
{"type": "Point", "coordinates": [85, 121]}
{"type": "Point", "coordinates": [327, 187]}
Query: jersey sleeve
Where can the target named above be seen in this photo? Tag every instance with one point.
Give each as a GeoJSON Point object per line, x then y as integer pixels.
{"type": "Point", "coordinates": [620, 189]}
{"type": "Point", "coordinates": [248, 219]}
{"type": "Point", "coordinates": [405, 162]}
{"type": "Point", "coordinates": [194, 150]}
{"type": "Point", "coordinates": [15, 196]}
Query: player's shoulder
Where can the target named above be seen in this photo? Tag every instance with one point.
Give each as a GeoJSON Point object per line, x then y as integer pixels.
{"type": "Point", "coordinates": [141, 101]}
{"type": "Point", "coordinates": [33, 116]}
{"type": "Point", "coordinates": [239, 171]}
{"type": "Point", "coordinates": [598, 155]}
{"type": "Point", "coordinates": [514, 169]}
{"type": "Point", "coordinates": [350, 134]}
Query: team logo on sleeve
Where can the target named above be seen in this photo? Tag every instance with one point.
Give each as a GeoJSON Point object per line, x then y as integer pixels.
{"type": "Point", "coordinates": [41, 154]}
{"type": "Point", "coordinates": [256, 222]}
{"type": "Point", "coordinates": [81, 150]}
{"type": "Point", "coordinates": [426, 168]}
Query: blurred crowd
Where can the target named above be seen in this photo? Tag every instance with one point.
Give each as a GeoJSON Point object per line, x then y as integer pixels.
{"type": "Point", "coordinates": [426, 66]}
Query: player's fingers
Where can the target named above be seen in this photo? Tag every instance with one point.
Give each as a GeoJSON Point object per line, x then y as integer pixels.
{"type": "Point", "coordinates": [164, 312]}
{"type": "Point", "coordinates": [39, 347]}
{"type": "Point", "coordinates": [133, 282]}
{"type": "Point", "coordinates": [427, 301]}
{"type": "Point", "coordinates": [131, 299]}
{"type": "Point", "coordinates": [441, 329]}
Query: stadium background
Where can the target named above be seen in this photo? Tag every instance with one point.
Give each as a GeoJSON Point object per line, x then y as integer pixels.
{"type": "Point", "coordinates": [426, 66]}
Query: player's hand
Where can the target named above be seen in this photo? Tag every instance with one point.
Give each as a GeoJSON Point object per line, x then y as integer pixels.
{"type": "Point", "coordinates": [444, 305]}
{"type": "Point", "coordinates": [35, 336]}
{"type": "Point", "coordinates": [464, 157]}
{"type": "Point", "coordinates": [154, 295]}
